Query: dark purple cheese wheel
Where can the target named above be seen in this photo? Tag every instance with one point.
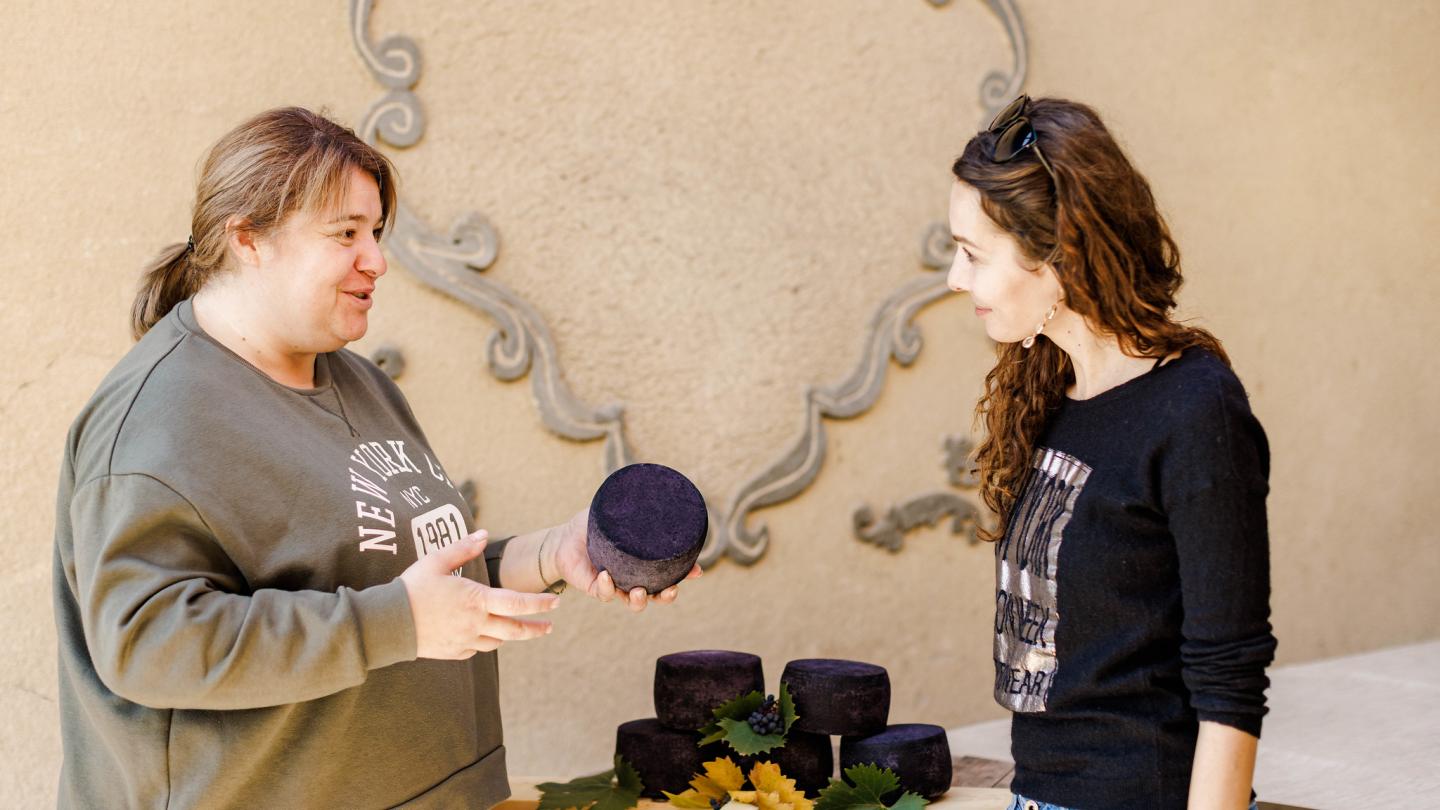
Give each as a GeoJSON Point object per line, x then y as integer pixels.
{"type": "Point", "coordinates": [690, 685]}
{"type": "Point", "coordinates": [918, 753]}
{"type": "Point", "coordinates": [666, 759]}
{"type": "Point", "coordinates": [647, 524]}
{"type": "Point", "coordinates": [833, 696]}
{"type": "Point", "coordinates": [806, 758]}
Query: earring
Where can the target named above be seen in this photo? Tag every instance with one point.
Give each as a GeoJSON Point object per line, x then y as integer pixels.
{"type": "Point", "coordinates": [1030, 341]}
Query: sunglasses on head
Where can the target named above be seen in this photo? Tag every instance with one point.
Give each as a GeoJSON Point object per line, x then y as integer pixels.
{"type": "Point", "coordinates": [1016, 135]}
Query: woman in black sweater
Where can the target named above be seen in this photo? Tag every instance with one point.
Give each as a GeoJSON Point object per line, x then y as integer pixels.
{"type": "Point", "coordinates": [1132, 593]}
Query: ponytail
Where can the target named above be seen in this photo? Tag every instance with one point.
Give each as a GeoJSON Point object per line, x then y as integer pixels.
{"type": "Point", "coordinates": [170, 279]}
{"type": "Point", "coordinates": [277, 163]}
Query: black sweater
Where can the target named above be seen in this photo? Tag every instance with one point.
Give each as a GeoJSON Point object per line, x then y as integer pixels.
{"type": "Point", "coordinates": [1133, 588]}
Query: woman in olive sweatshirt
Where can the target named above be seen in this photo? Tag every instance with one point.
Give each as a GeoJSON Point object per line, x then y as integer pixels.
{"type": "Point", "coordinates": [255, 541]}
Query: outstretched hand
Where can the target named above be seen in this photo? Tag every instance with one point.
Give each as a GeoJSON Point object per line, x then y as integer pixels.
{"type": "Point", "coordinates": [457, 617]}
{"type": "Point", "coordinates": [572, 560]}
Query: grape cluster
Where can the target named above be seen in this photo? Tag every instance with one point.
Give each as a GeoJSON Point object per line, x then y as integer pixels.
{"type": "Point", "coordinates": [766, 719]}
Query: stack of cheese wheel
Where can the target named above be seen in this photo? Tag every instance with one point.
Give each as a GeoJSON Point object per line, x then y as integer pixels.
{"type": "Point", "coordinates": [851, 700]}
{"type": "Point", "coordinates": [665, 749]}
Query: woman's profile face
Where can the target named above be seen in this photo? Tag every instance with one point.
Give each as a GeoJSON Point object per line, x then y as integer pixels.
{"type": "Point", "coordinates": [319, 270]}
{"type": "Point", "coordinates": [1009, 298]}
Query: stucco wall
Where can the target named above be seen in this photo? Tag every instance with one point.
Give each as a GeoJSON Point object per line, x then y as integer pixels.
{"type": "Point", "coordinates": [707, 201]}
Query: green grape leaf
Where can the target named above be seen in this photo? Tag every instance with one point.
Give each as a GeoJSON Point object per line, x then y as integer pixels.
{"type": "Point", "coordinates": [909, 801]}
{"type": "Point", "coordinates": [868, 785]}
{"type": "Point", "coordinates": [737, 709]}
{"type": "Point", "coordinates": [787, 709]}
{"type": "Point", "coordinates": [615, 789]}
{"type": "Point", "coordinates": [731, 726]}
{"type": "Point", "coordinates": [742, 738]}
{"type": "Point", "coordinates": [627, 783]}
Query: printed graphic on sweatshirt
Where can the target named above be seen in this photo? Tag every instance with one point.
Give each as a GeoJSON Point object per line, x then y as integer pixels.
{"type": "Point", "coordinates": [384, 477]}
{"type": "Point", "coordinates": [1025, 575]}
{"type": "Point", "coordinates": [437, 529]}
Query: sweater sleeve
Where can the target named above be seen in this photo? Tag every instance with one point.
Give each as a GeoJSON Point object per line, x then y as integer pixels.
{"type": "Point", "coordinates": [1214, 485]}
{"type": "Point", "coordinates": [169, 621]}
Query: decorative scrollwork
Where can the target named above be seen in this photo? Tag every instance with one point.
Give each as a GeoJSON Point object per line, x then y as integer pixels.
{"type": "Point", "coordinates": [521, 343]}
{"type": "Point", "coordinates": [471, 493]}
{"type": "Point", "coordinates": [998, 88]}
{"type": "Point", "coordinates": [892, 333]}
{"type": "Point", "coordinates": [389, 360]}
{"type": "Point", "coordinates": [396, 117]}
{"type": "Point", "coordinates": [937, 248]}
{"type": "Point", "coordinates": [395, 62]}
{"type": "Point", "coordinates": [958, 468]}
{"type": "Point", "coordinates": [453, 264]}
{"type": "Point", "coordinates": [926, 510]}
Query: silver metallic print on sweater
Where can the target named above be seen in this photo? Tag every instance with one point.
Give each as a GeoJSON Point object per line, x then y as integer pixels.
{"type": "Point", "coordinates": [1025, 576]}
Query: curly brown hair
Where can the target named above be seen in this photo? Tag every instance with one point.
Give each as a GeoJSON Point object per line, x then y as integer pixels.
{"type": "Point", "coordinates": [1116, 261]}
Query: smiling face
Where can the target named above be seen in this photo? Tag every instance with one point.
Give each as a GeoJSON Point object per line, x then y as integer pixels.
{"type": "Point", "coordinates": [318, 271]}
{"type": "Point", "coordinates": [1010, 294]}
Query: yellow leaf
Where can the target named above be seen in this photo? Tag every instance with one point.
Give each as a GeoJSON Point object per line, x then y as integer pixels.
{"type": "Point", "coordinates": [724, 774]}
{"type": "Point", "coordinates": [762, 799]}
{"type": "Point", "coordinates": [767, 776]}
{"type": "Point", "coordinates": [721, 776]}
{"type": "Point", "coordinates": [690, 800]}
{"type": "Point", "coordinates": [706, 787]}
{"type": "Point", "coordinates": [776, 791]}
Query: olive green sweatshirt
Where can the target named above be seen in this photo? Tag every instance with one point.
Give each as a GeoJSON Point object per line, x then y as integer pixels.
{"type": "Point", "coordinates": [231, 629]}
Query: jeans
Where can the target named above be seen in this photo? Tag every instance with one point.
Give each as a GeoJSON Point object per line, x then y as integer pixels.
{"type": "Point", "coordinates": [1018, 802]}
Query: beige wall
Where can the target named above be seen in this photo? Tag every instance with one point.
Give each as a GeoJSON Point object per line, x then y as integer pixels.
{"type": "Point", "coordinates": [706, 200]}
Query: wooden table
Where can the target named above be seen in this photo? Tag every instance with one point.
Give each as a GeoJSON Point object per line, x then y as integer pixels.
{"type": "Point", "coordinates": [524, 796]}
{"type": "Point", "coordinates": [977, 784]}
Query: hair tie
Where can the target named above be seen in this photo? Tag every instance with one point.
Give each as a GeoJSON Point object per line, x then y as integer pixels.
{"type": "Point", "coordinates": [190, 243]}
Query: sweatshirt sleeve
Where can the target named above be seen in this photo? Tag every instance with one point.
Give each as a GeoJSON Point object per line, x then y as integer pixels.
{"type": "Point", "coordinates": [1216, 477]}
{"type": "Point", "coordinates": [170, 622]}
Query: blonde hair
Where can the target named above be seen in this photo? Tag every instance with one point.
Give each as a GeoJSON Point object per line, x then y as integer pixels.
{"type": "Point", "coordinates": [281, 161]}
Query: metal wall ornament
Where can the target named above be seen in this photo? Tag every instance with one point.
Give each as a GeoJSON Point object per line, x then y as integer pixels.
{"type": "Point", "coordinates": [454, 263]}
